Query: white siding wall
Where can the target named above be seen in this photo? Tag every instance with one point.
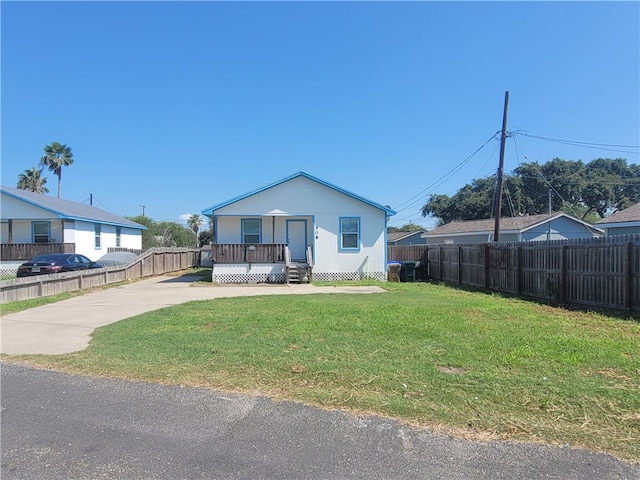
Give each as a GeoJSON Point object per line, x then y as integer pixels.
{"type": "Point", "coordinates": [84, 238]}
{"type": "Point", "coordinates": [323, 206]}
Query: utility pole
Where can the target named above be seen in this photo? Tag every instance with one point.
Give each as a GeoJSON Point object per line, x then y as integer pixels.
{"type": "Point", "coordinates": [91, 199]}
{"type": "Point", "coordinates": [503, 138]}
{"type": "Point", "coordinates": [143, 207]}
{"type": "Point", "coordinates": [550, 210]}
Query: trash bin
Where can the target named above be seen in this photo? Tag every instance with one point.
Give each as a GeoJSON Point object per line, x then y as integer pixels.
{"type": "Point", "coordinates": [408, 272]}
{"type": "Point", "coordinates": [393, 271]}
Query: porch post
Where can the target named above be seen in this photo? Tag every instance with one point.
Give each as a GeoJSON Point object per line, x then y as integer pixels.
{"type": "Point", "coordinates": [10, 232]}
{"type": "Point", "coordinates": [273, 229]}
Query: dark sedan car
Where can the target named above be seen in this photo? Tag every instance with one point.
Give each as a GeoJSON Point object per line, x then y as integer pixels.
{"type": "Point", "coordinates": [56, 263]}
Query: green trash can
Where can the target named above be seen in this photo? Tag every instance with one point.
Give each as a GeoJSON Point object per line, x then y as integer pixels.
{"type": "Point", "coordinates": [408, 272]}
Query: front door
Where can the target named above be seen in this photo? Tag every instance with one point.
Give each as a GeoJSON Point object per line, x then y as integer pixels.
{"type": "Point", "coordinates": [297, 239]}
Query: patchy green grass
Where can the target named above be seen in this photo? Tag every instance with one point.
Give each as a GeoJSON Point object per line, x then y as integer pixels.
{"type": "Point", "coordinates": [470, 364]}
{"type": "Point", "coordinates": [13, 307]}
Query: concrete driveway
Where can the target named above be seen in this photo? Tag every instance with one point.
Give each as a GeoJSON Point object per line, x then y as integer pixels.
{"type": "Point", "coordinates": [66, 326]}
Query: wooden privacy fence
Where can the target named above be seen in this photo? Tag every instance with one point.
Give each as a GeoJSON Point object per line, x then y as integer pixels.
{"type": "Point", "coordinates": [26, 251]}
{"type": "Point", "coordinates": [602, 272]}
{"type": "Point", "coordinates": [156, 261]}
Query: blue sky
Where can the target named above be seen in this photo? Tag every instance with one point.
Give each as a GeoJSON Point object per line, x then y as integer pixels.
{"type": "Point", "coordinates": [181, 105]}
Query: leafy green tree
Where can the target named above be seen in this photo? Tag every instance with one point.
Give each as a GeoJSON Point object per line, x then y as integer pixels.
{"type": "Point", "coordinates": [172, 234]}
{"type": "Point", "coordinates": [57, 156]}
{"type": "Point", "coordinates": [471, 202]}
{"type": "Point", "coordinates": [205, 237]}
{"type": "Point", "coordinates": [148, 235]}
{"type": "Point", "coordinates": [565, 179]}
{"type": "Point", "coordinates": [610, 185]}
{"type": "Point", "coordinates": [588, 191]}
{"type": "Point", "coordinates": [33, 181]}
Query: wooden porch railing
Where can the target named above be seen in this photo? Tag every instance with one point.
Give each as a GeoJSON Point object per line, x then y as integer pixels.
{"type": "Point", "coordinates": [26, 251]}
{"type": "Point", "coordinates": [248, 252]}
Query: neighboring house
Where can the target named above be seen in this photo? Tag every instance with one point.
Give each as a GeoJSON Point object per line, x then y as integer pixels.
{"type": "Point", "coordinates": [299, 221]}
{"type": "Point", "coordinates": [29, 217]}
{"type": "Point", "coordinates": [622, 222]}
{"type": "Point", "coordinates": [407, 238]}
{"type": "Point", "coordinates": [554, 226]}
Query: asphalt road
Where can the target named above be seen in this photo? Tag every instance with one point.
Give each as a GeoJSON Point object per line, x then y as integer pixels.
{"type": "Point", "coordinates": [60, 426]}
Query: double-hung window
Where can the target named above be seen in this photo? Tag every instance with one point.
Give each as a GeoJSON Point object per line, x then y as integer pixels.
{"type": "Point", "coordinates": [251, 230]}
{"type": "Point", "coordinates": [118, 236]}
{"type": "Point", "coordinates": [41, 232]}
{"type": "Point", "coordinates": [350, 233]}
{"type": "Point", "coordinates": [98, 231]}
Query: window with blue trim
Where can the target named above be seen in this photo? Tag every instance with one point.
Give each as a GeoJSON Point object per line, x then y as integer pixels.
{"type": "Point", "coordinates": [41, 232]}
{"type": "Point", "coordinates": [98, 231]}
{"type": "Point", "coordinates": [251, 230]}
{"type": "Point", "coordinates": [349, 233]}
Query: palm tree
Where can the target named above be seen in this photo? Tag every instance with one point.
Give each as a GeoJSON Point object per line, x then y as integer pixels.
{"type": "Point", "coordinates": [57, 156]}
{"type": "Point", "coordinates": [33, 181]}
{"type": "Point", "coordinates": [195, 221]}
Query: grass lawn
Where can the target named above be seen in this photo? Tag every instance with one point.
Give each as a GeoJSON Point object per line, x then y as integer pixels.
{"type": "Point", "coordinates": [469, 364]}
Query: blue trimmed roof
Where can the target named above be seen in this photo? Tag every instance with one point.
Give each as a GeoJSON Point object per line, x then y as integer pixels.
{"type": "Point", "coordinates": [211, 210]}
{"type": "Point", "coordinates": [69, 210]}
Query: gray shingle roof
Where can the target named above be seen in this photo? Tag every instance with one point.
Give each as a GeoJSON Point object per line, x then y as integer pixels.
{"type": "Point", "coordinates": [397, 236]}
{"type": "Point", "coordinates": [516, 224]}
{"type": "Point", "coordinates": [70, 210]}
{"type": "Point", "coordinates": [629, 214]}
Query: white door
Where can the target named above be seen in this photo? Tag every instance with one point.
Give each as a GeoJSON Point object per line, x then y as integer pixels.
{"type": "Point", "coordinates": [297, 239]}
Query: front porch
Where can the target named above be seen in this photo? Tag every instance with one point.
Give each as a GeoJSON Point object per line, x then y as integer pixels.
{"type": "Point", "coordinates": [258, 263]}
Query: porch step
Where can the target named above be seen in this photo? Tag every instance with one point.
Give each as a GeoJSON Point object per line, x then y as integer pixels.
{"type": "Point", "coordinates": [298, 273]}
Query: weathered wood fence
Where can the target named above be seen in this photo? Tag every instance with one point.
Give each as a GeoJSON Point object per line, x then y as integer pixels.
{"type": "Point", "coordinates": [26, 251]}
{"type": "Point", "coordinates": [156, 261]}
{"type": "Point", "coordinates": [602, 272]}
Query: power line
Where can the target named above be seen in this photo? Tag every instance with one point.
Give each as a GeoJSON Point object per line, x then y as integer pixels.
{"type": "Point", "coordinates": [407, 204]}
{"type": "Point", "coordinates": [597, 146]}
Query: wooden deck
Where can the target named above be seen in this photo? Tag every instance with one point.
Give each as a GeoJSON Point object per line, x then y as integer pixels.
{"type": "Point", "coordinates": [248, 252]}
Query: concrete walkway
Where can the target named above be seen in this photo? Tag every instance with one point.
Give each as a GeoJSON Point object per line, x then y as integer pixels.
{"type": "Point", "coordinates": [66, 326]}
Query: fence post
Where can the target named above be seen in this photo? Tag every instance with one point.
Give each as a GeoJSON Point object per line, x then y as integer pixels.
{"type": "Point", "coordinates": [563, 275]}
{"type": "Point", "coordinates": [460, 265]}
{"type": "Point", "coordinates": [441, 262]}
{"type": "Point", "coordinates": [519, 271]}
{"type": "Point", "coordinates": [486, 266]}
{"type": "Point", "coordinates": [628, 278]}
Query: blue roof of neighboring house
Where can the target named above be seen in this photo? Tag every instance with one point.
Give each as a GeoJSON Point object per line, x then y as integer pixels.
{"type": "Point", "coordinates": [211, 210]}
{"type": "Point", "coordinates": [69, 210]}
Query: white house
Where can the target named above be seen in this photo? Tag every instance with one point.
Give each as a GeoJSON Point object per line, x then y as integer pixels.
{"type": "Point", "coordinates": [28, 217]}
{"type": "Point", "coordinates": [299, 222]}
{"type": "Point", "coordinates": [623, 222]}
{"type": "Point", "coordinates": [553, 226]}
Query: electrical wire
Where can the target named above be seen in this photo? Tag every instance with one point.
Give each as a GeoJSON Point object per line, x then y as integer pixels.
{"type": "Point", "coordinates": [596, 146]}
{"type": "Point", "coordinates": [412, 201]}
{"type": "Point", "coordinates": [535, 167]}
